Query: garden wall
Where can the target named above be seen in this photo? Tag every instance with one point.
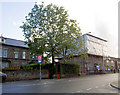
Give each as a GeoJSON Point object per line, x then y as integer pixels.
{"type": "Point", "coordinates": [15, 75]}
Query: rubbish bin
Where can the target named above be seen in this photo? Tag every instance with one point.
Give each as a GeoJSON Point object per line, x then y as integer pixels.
{"type": "Point", "coordinates": [58, 75]}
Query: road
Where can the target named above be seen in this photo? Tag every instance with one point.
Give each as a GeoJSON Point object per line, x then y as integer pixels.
{"type": "Point", "coordinates": [84, 84]}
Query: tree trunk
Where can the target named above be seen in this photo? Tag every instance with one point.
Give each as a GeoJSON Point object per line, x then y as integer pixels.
{"type": "Point", "coordinates": [65, 51]}
{"type": "Point", "coordinates": [53, 61]}
{"type": "Point", "coordinates": [63, 56]}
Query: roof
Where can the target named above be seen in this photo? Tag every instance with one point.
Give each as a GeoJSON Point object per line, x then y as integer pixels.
{"type": "Point", "coordinates": [95, 37]}
{"type": "Point", "coordinates": [13, 42]}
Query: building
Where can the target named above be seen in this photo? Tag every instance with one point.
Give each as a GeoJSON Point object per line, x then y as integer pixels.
{"type": "Point", "coordinates": [95, 45]}
{"type": "Point", "coordinates": [98, 59]}
{"type": "Point", "coordinates": [13, 52]}
{"type": "Point", "coordinates": [97, 51]}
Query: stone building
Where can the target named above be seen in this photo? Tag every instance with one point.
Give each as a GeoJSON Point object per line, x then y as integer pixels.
{"type": "Point", "coordinates": [13, 52]}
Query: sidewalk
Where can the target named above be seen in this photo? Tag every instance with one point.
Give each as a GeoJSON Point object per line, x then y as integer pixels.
{"type": "Point", "coordinates": [115, 84]}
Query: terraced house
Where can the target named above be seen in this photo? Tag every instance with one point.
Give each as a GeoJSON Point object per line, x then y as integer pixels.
{"type": "Point", "coordinates": [13, 52]}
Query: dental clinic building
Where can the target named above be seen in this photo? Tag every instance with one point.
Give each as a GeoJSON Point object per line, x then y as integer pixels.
{"type": "Point", "coordinates": [98, 58]}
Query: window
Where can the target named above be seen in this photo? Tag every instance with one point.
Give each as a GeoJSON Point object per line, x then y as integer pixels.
{"type": "Point", "coordinates": [5, 65]}
{"type": "Point", "coordinates": [16, 65]}
{"type": "Point", "coordinates": [5, 53]}
{"type": "Point", "coordinates": [23, 63]}
{"type": "Point", "coordinates": [16, 54]}
{"type": "Point", "coordinates": [23, 55]}
{"type": "Point", "coordinates": [0, 52]}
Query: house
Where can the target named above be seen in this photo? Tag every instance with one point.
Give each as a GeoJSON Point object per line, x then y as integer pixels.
{"type": "Point", "coordinates": [13, 52]}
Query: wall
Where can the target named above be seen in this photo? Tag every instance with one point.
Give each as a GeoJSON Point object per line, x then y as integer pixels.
{"type": "Point", "coordinates": [25, 74]}
{"type": "Point", "coordinates": [11, 60]}
{"type": "Point", "coordinates": [92, 61]}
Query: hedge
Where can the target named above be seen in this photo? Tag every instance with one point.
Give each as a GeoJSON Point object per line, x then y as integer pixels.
{"type": "Point", "coordinates": [36, 66]}
{"type": "Point", "coordinates": [70, 68]}
{"type": "Point", "coordinates": [64, 68]}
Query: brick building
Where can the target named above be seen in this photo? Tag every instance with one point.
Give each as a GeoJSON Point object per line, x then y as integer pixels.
{"type": "Point", "coordinates": [13, 52]}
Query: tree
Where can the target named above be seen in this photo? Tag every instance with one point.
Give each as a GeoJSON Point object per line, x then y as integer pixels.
{"type": "Point", "coordinates": [48, 30]}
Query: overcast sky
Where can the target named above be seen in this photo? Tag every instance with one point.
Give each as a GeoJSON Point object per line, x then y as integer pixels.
{"type": "Point", "coordinates": [100, 17]}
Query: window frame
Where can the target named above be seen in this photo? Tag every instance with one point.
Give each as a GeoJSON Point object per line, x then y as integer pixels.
{"type": "Point", "coordinates": [1, 52]}
{"type": "Point", "coordinates": [5, 52]}
{"type": "Point", "coordinates": [23, 55]}
{"type": "Point", "coordinates": [16, 52]}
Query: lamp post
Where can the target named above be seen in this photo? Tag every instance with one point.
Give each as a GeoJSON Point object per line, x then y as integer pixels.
{"type": "Point", "coordinates": [103, 58]}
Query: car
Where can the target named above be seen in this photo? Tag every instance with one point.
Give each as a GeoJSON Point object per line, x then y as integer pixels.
{"type": "Point", "coordinates": [3, 77]}
{"type": "Point", "coordinates": [33, 61]}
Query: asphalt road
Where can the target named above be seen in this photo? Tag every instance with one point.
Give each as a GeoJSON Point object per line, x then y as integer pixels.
{"type": "Point", "coordinates": [84, 84]}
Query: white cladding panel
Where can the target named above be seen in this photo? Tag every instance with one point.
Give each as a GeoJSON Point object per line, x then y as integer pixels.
{"type": "Point", "coordinates": [96, 46]}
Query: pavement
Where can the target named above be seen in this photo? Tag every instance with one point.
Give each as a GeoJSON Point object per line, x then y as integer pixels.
{"type": "Point", "coordinates": [115, 84]}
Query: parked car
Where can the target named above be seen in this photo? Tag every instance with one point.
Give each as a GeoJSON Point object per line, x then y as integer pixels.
{"type": "Point", "coordinates": [33, 61]}
{"type": "Point", "coordinates": [3, 77]}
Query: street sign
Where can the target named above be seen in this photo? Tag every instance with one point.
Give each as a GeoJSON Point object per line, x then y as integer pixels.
{"type": "Point", "coordinates": [98, 67]}
{"type": "Point", "coordinates": [40, 59]}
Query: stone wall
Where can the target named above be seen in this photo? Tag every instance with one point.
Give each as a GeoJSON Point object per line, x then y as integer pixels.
{"type": "Point", "coordinates": [25, 74]}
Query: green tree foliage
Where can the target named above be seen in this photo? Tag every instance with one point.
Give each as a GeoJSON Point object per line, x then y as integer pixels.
{"type": "Point", "coordinates": [49, 30]}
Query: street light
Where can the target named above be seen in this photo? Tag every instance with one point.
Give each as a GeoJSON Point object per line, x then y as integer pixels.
{"type": "Point", "coordinates": [103, 57]}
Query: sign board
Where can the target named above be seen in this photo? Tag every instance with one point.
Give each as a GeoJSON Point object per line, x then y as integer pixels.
{"type": "Point", "coordinates": [98, 67]}
{"type": "Point", "coordinates": [85, 65]}
{"type": "Point", "coordinates": [106, 69]}
{"type": "Point", "coordinates": [40, 59]}
{"type": "Point", "coordinates": [14, 68]}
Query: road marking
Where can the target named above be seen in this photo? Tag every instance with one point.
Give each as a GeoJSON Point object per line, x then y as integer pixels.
{"type": "Point", "coordinates": [45, 83]}
{"type": "Point", "coordinates": [26, 85]}
{"type": "Point", "coordinates": [57, 80]}
{"type": "Point", "coordinates": [89, 89]}
{"type": "Point", "coordinates": [78, 91]}
{"type": "Point", "coordinates": [71, 93]}
{"type": "Point", "coordinates": [37, 80]}
{"type": "Point", "coordinates": [96, 87]}
{"type": "Point", "coordinates": [69, 80]}
{"type": "Point", "coordinates": [61, 79]}
{"type": "Point", "coordinates": [32, 84]}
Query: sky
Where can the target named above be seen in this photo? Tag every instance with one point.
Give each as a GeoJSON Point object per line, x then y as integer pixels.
{"type": "Point", "coordinates": [100, 17]}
